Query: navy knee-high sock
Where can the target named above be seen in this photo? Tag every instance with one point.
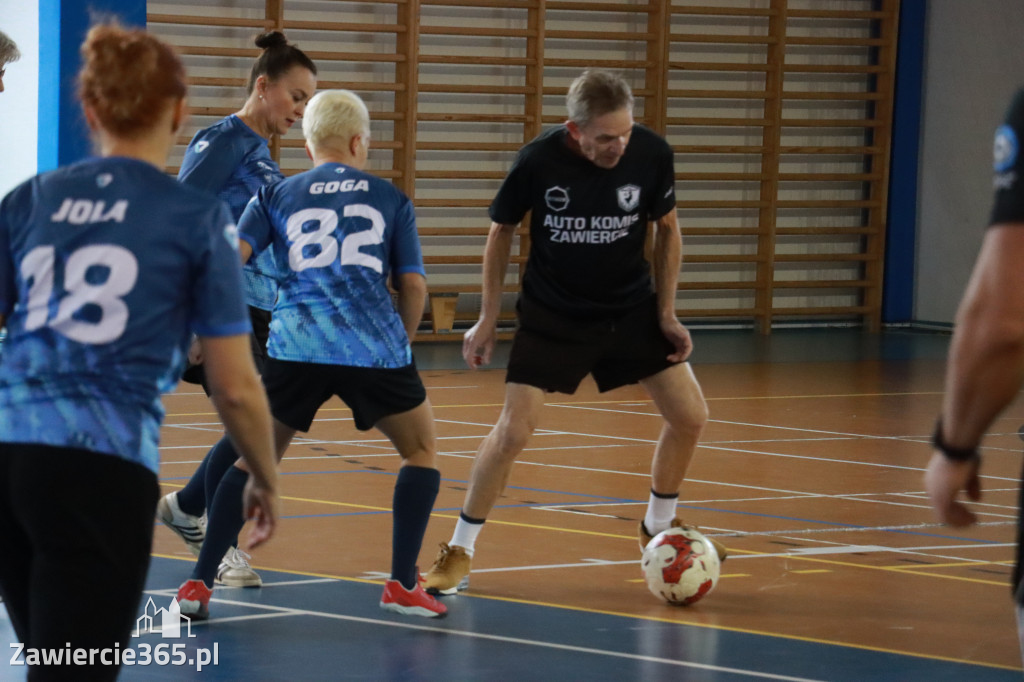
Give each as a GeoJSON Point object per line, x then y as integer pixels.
{"type": "Point", "coordinates": [415, 492]}
{"type": "Point", "coordinates": [225, 522]}
{"type": "Point", "coordinates": [219, 460]}
{"type": "Point", "coordinates": [192, 498]}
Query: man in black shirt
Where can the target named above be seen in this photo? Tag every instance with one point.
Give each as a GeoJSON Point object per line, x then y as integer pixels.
{"type": "Point", "coordinates": [588, 303]}
{"type": "Point", "coordinates": [986, 357]}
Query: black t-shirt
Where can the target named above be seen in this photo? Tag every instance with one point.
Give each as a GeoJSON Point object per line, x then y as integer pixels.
{"type": "Point", "coordinates": [1008, 207]}
{"type": "Point", "coordinates": [1008, 164]}
{"type": "Point", "coordinates": [588, 223]}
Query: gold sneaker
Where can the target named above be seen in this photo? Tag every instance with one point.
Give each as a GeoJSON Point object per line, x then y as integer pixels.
{"type": "Point", "coordinates": [646, 537]}
{"type": "Point", "coordinates": [450, 572]}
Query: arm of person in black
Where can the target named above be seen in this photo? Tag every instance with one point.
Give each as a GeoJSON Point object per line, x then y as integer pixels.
{"type": "Point", "coordinates": [668, 257]}
{"type": "Point", "coordinates": [507, 210]}
{"type": "Point", "coordinates": [986, 359]}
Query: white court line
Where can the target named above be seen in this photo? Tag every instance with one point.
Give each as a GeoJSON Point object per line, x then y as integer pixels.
{"type": "Point", "coordinates": [284, 611]}
{"type": "Point", "coordinates": [800, 493]}
{"type": "Point", "coordinates": [840, 434]}
{"type": "Point", "coordinates": [738, 450]}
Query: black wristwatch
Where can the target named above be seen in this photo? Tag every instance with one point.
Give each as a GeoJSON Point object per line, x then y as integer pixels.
{"type": "Point", "coordinates": [955, 454]}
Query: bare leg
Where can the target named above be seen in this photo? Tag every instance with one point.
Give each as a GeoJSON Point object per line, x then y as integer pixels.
{"type": "Point", "coordinates": [413, 435]}
{"type": "Point", "coordinates": [498, 451]}
{"type": "Point", "coordinates": [678, 397]}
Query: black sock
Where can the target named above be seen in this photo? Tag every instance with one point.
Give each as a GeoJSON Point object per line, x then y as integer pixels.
{"type": "Point", "coordinates": [225, 521]}
{"type": "Point", "coordinates": [219, 460]}
{"type": "Point", "coordinates": [192, 498]}
{"type": "Point", "coordinates": [415, 492]}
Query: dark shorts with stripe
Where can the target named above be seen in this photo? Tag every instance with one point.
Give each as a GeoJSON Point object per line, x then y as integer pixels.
{"type": "Point", "coordinates": [554, 352]}
{"type": "Point", "coordinates": [296, 390]}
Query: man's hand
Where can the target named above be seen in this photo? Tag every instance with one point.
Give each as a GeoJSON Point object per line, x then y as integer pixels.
{"type": "Point", "coordinates": [478, 344]}
{"type": "Point", "coordinates": [260, 505]}
{"type": "Point", "coordinates": [944, 480]}
{"type": "Point", "coordinates": [679, 336]}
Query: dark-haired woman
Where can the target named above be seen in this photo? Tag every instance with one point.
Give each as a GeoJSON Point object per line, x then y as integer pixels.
{"type": "Point", "coordinates": [231, 159]}
{"type": "Point", "coordinates": [107, 267]}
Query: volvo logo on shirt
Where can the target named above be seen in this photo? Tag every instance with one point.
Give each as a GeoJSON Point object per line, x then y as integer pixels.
{"type": "Point", "coordinates": [201, 146]}
{"type": "Point", "coordinates": [629, 197]}
{"type": "Point", "coordinates": [557, 198]}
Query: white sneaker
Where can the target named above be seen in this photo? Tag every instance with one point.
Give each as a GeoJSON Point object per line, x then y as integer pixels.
{"type": "Point", "coordinates": [235, 571]}
{"type": "Point", "coordinates": [191, 529]}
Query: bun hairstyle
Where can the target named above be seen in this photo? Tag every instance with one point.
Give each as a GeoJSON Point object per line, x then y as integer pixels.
{"type": "Point", "coordinates": [128, 78]}
{"type": "Point", "coordinates": [277, 58]}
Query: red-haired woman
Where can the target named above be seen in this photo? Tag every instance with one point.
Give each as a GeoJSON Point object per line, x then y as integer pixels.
{"type": "Point", "coordinates": [107, 267]}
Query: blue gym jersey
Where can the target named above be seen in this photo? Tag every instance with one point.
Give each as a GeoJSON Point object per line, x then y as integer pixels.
{"type": "Point", "coordinates": [336, 234]}
{"type": "Point", "coordinates": [231, 160]}
{"type": "Point", "coordinates": [106, 268]}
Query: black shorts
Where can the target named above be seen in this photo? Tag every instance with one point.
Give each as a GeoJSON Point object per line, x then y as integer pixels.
{"type": "Point", "coordinates": [260, 321]}
{"type": "Point", "coordinates": [296, 390]}
{"type": "Point", "coordinates": [74, 525]}
{"type": "Point", "coordinates": [554, 352]}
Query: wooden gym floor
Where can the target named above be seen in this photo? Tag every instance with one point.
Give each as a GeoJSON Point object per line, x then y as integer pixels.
{"type": "Point", "coordinates": [810, 472]}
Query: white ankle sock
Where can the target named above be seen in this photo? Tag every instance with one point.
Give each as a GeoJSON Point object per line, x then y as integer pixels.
{"type": "Point", "coordinates": [660, 512]}
{"type": "Point", "coordinates": [465, 535]}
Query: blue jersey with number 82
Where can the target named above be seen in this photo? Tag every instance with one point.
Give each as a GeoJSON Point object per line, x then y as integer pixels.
{"type": "Point", "coordinates": [337, 234]}
{"type": "Point", "coordinates": [106, 268]}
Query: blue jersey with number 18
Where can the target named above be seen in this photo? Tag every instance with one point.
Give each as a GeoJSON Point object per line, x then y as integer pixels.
{"type": "Point", "coordinates": [336, 234]}
{"type": "Point", "coordinates": [106, 267]}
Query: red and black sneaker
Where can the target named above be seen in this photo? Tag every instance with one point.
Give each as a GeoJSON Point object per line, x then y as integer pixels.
{"type": "Point", "coordinates": [414, 602]}
{"type": "Point", "coordinates": [194, 599]}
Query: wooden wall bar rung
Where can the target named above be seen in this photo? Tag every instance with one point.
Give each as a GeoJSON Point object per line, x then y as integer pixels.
{"type": "Point", "coordinates": [476, 60]}
{"type": "Point", "coordinates": [821, 284]}
{"type": "Point", "coordinates": [833, 68]}
{"type": "Point", "coordinates": [474, 31]}
{"type": "Point", "coordinates": [722, 39]}
{"type": "Point", "coordinates": [716, 122]}
{"type": "Point", "coordinates": [725, 11]}
{"type": "Point", "coordinates": [202, 20]}
{"type": "Point", "coordinates": [478, 118]}
{"type": "Point", "coordinates": [460, 175]}
{"type": "Point", "coordinates": [344, 27]}
{"type": "Point", "coordinates": [505, 4]}
{"type": "Point", "coordinates": [558, 6]}
{"type": "Point", "coordinates": [717, 66]}
{"type": "Point", "coordinates": [838, 14]}
{"type": "Point", "coordinates": [719, 177]}
{"type": "Point", "coordinates": [473, 88]}
{"type": "Point", "coordinates": [599, 63]}
{"type": "Point", "coordinates": [835, 41]}
{"type": "Point", "coordinates": [837, 231]}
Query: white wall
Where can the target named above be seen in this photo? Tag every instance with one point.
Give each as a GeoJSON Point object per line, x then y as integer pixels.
{"type": "Point", "coordinates": [19, 103]}
{"type": "Point", "coordinates": [973, 65]}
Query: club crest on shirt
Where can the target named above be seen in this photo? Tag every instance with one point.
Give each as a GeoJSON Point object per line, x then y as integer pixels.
{"type": "Point", "coordinates": [201, 146]}
{"type": "Point", "coordinates": [629, 197]}
{"type": "Point", "coordinates": [557, 198]}
{"type": "Point", "coordinates": [104, 179]}
{"type": "Point", "coordinates": [1004, 156]}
